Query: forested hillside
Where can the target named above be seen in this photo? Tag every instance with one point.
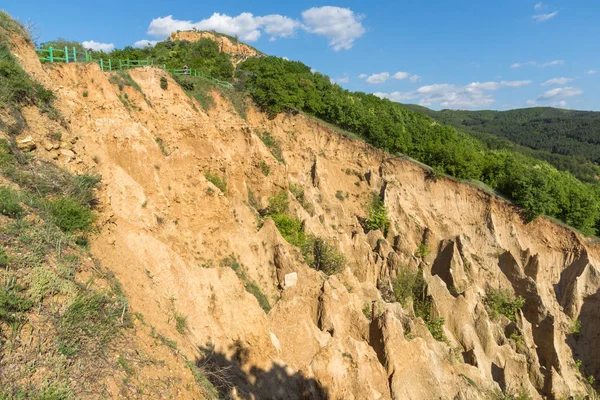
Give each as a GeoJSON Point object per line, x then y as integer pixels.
{"type": "Point", "coordinates": [567, 139]}
{"type": "Point", "coordinates": [278, 85]}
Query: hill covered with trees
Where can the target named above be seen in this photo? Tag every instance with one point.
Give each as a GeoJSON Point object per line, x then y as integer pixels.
{"type": "Point", "coordinates": [568, 139]}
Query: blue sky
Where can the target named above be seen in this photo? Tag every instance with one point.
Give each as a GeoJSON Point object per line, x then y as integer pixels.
{"type": "Point", "coordinates": [462, 54]}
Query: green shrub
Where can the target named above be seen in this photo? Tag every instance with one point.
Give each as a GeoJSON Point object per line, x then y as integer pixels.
{"type": "Point", "coordinates": [85, 93]}
{"type": "Point", "coordinates": [298, 193]}
{"type": "Point", "coordinates": [575, 327]}
{"type": "Point", "coordinates": [164, 83]}
{"type": "Point", "coordinates": [9, 203]}
{"type": "Point", "coordinates": [367, 311]}
{"type": "Point", "coordinates": [377, 217]}
{"type": "Point", "coordinates": [404, 285]}
{"type": "Point", "coordinates": [264, 167]}
{"type": "Point", "coordinates": [273, 146]}
{"type": "Point", "coordinates": [181, 324]}
{"type": "Point", "coordinates": [422, 251]}
{"type": "Point", "coordinates": [435, 326]}
{"type": "Point", "coordinates": [278, 204]}
{"type": "Point", "coordinates": [339, 195]}
{"type": "Point", "coordinates": [502, 302]}
{"type": "Point", "coordinates": [321, 255]}
{"type": "Point", "coordinates": [219, 182]}
{"type": "Point", "coordinates": [161, 145]}
{"type": "Point", "coordinates": [70, 215]}
{"type": "Point", "coordinates": [290, 228]}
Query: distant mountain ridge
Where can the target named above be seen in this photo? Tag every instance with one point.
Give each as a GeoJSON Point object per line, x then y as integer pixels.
{"type": "Point", "coordinates": [568, 139]}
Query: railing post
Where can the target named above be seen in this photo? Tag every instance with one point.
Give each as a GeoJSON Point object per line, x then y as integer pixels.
{"type": "Point", "coordinates": [102, 65]}
{"type": "Point", "coordinates": [51, 56]}
{"type": "Point", "coordinates": [74, 55]}
{"type": "Point", "coordinates": [109, 65]}
{"type": "Point", "coordinates": [66, 54]}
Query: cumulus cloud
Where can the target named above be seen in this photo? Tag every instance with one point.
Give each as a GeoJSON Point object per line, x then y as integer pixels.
{"type": "Point", "coordinates": [362, 76]}
{"type": "Point", "coordinates": [340, 25]}
{"type": "Point", "coordinates": [531, 103]}
{"type": "Point", "coordinates": [559, 93]}
{"type": "Point", "coordinates": [377, 79]}
{"type": "Point", "coordinates": [538, 6]}
{"type": "Point", "coordinates": [473, 95]}
{"type": "Point", "coordinates": [414, 78]}
{"type": "Point", "coordinates": [592, 72]}
{"type": "Point", "coordinates": [400, 76]}
{"type": "Point", "coordinates": [97, 46]}
{"type": "Point", "coordinates": [535, 64]}
{"type": "Point", "coordinates": [557, 81]}
{"type": "Point", "coordinates": [544, 17]}
{"type": "Point", "coordinates": [561, 103]}
{"type": "Point", "coordinates": [145, 43]}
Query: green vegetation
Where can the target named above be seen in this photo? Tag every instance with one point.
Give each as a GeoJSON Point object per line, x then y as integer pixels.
{"type": "Point", "coordinates": [367, 311]}
{"type": "Point", "coordinates": [122, 79]}
{"type": "Point", "coordinates": [181, 323]}
{"type": "Point", "coordinates": [220, 183]}
{"type": "Point", "coordinates": [161, 145]}
{"type": "Point", "coordinates": [377, 217]}
{"type": "Point", "coordinates": [298, 192]}
{"type": "Point", "coordinates": [566, 139]}
{"type": "Point", "coordinates": [264, 167]}
{"type": "Point", "coordinates": [411, 286]}
{"type": "Point", "coordinates": [318, 253]}
{"type": "Point", "coordinates": [250, 286]}
{"type": "Point", "coordinates": [575, 327]}
{"type": "Point", "coordinates": [277, 85]}
{"type": "Point", "coordinates": [273, 146]}
{"type": "Point", "coordinates": [340, 196]}
{"type": "Point", "coordinates": [70, 215]}
{"type": "Point", "coordinates": [9, 203]}
{"type": "Point", "coordinates": [198, 88]}
{"type": "Point", "coordinates": [422, 251]}
{"type": "Point", "coordinates": [521, 395]}
{"type": "Point", "coordinates": [503, 302]}
{"type": "Point", "coordinates": [164, 83]}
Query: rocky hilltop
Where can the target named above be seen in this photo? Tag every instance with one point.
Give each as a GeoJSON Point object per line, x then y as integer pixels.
{"type": "Point", "coordinates": [226, 44]}
{"type": "Point", "coordinates": [184, 225]}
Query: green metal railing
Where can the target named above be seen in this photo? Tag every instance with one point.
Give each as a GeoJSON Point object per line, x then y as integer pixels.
{"type": "Point", "coordinates": [72, 55]}
{"type": "Point", "coordinates": [195, 72]}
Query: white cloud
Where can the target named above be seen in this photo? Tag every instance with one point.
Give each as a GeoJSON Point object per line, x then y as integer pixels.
{"type": "Point", "coordinates": [105, 47]}
{"type": "Point", "coordinates": [535, 64]}
{"type": "Point", "coordinates": [362, 76]}
{"type": "Point", "coordinates": [245, 26]}
{"type": "Point", "coordinates": [557, 81]}
{"type": "Point", "coordinates": [340, 25]}
{"type": "Point", "coordinates": [286, 59]}
{"type": "Point", "coordinates": [561, 103]}
{"type": "Point", "coordinates": [414, 78]}
{"type": "Point", "coordinates": [544, 17]}
{"type": "Point", "coordinates": [145, 43]}
{"type": "Point", "coordinates": [376, 79]}
{"type": "Point", "coordinates": [560, 93]}
{"type": "Point", "coordinates": [552, 63]}
{"type": "Point", "coordinates": [531, 103]}
{"type": "Point", "coordinates": [345, 79]}
{"type": "Point", "coordinates": [538, 6]}
{"type": "Point", "coordinates": [592, 72]}
{"type": "Point", "coordinates": [313, 70]}
{"type": "Point", "coordinates": [400, 75]}
{"type": "Point", "coordinates": [473, 95]}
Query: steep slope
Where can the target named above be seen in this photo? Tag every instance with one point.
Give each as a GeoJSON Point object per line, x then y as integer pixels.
{"type": "Point", "coordinates": [193, 256]}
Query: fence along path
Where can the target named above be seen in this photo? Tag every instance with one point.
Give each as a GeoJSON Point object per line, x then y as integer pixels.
{"type": "Point", "coordinates": [72, 55]}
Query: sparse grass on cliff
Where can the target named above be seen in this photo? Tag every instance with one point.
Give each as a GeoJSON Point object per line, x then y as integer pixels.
{"type": "Point", "coordinates": [503, 302]}
{"type": "Point", "coordinates": [377, 217]}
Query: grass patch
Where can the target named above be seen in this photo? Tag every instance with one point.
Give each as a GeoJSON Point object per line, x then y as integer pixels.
{"type": "Point", "coordinates": [70, 215]}
{"type": "Point", "coordinates": [249, 285]}
{"type": "Point", "coordinates": [210, 391]}
{"type": "Point", "coordinates": [422, 251]}
{"type": "Point", "coordinates": [164, 83]}
{"type": "Point", "coordinates": [503, 302]}
{"type": "Point", "coordinates": [161, 145]}
{"type": "Point", "coordinates": [319, 253]}
{"type": "Point", "coordinates": [198, 88]}
{"type": "Point", "coordinates": [9, 203]}
{"type": "Point", "coordinates": [273, 145]}
{"type": "Point", "coordinates": [12, 303]}
{"type": "Point", "coordinates": [216, 180]}
{"type": "Point", "coordinates": [575, 327]}
{"type": "Point", "coordinates": [181, 324]}
{"type": "Point", "coordinates": [377, 217]}
{"type": "Point", "coordinates": [264, 167]}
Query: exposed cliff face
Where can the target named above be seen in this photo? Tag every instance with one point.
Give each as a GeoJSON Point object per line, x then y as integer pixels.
{"type": "Point", "coordinates": [226, 44]}
{"type": "Point", "coordinates": [168, 234]}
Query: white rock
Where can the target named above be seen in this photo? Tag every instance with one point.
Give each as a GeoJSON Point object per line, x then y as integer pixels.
{"type": "Point", "coordinates": [290, 279]}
